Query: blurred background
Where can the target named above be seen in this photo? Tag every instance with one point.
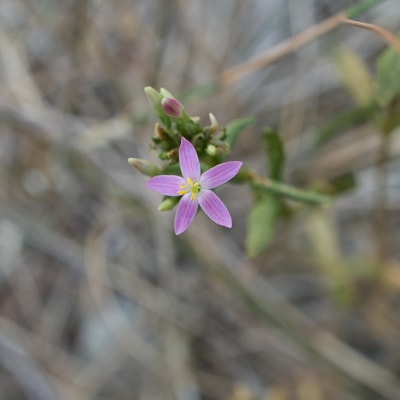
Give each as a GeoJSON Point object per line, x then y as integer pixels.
{"type": "Point", "coordinates": [100, 300]}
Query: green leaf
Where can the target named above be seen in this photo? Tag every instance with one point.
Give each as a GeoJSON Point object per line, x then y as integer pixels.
{"type": "Point", "coordinates": [363, 6]}
{"type": "Point", "coordinates": [391, 118]}
{"type": "Point", "coordinates": [324, 248]}
{"type": "Point", "coordinates": [275, 153]}
{"type": "Point", "coordinates": [342, 183]}
{"type": "Point", "coordinates": [235, 127]}
{"type": "Point", "coordinates": [261, 224]}
{"type": "Point", "coordinates": [388, 72]}
{"type": "Point", "coordinates": [355, 76]}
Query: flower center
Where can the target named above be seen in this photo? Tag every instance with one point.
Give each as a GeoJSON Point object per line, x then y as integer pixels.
{"type": "Point", "coordinates": [190, 187]}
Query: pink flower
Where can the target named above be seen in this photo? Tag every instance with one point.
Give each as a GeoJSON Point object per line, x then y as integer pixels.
{"type": "Point", "coordinates": [195, 188]}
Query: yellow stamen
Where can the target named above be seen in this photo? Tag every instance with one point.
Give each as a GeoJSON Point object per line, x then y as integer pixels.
{"type": "Point", "coordinates": [184, 189]}
{"type": "Point", "coordinates": [193, 187]}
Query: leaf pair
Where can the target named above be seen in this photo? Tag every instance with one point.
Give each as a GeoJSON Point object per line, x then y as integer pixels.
{"type": "Point", "coordinates": [264, 214]}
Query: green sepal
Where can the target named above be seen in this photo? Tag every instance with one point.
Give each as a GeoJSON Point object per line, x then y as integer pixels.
{"type": "Point", "coordinates": [145, 167]}
{"type": "Point", "coordinates": [168, 203]}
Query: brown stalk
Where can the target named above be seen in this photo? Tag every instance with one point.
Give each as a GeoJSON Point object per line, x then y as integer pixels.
{"type": "Point", "coordinates": [386, 35]}
{"type": "Point", "coordinates": [284, 48]}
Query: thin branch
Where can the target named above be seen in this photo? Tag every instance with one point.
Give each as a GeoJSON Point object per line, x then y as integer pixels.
{"type": "Point", "coordinates": [286, 47]}
{"type": "Point", "coordinates": [386, 35]}
{"type": "Point", "coordinates": [281, 50]}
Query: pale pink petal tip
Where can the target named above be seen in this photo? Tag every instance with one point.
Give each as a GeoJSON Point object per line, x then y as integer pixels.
{"type": "Point", "coordinates": [220, 174]}
{"type": "Point", "coordinates": [214, 208]}
{"type": "Point", "coordinates": [189, 160]}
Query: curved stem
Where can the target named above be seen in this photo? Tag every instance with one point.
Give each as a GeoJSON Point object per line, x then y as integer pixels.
{"type": "Point", "coordinates": [386, 35]}
{"type": "Point", "coordinates": [284, 48]}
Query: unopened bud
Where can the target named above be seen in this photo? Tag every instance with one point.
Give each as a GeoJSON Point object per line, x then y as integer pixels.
{"type": "Point", "coordinates": [211, 150]}
{"type": "Point", "coordinates": [214, 123]}
{"type": "Point", "coordinates": [145, 167]}
{"type": "Point", "coordinates": [220, 145]}
{"type": "Point", "coordinates": [154, 97]}
{"type": "Point", "coordinates": [172, 107]}
{"type": "Point", "coordinates": [163, 156]}
{"type": "Point", "coordinates": [168, 203]}
{"type": "Point", "coordinates": [166, 93]}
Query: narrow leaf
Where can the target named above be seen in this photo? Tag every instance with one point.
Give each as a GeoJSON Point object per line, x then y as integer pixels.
{"type": "Point", "coordinates": [342, 183]}
{"type": "Point", "coordinates": [355, 76]}
{"type": "Point", "coordinates": [275, 153]}
{"type": "Point", "coordinates": [261, 224]}
{"type": "Point", "coordinates": [388, 72]}
{"type": "Point", "coordinates": [235, 127]}
{"type": "Point", "coordinates": [358, 9]}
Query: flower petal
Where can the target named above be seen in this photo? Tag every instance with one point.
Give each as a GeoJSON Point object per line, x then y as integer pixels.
{"type": "Point", "coordinates": [188, 160]}
{"type": "Point", "coordinates": [215, 209]}
{"type": "Point", "coordinates": [185, 213]}
{"type": "Point", "coordinates": [220, 174]}
{"type": "Point", "coordinates": [168, 185]}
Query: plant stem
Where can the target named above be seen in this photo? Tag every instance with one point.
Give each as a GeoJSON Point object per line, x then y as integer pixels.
{"type": "Point", "coordinates": [284, 48]}
{"type": "Point", "coordinates": [386, 35]}
{"type": "Point", "coordinates": [305, 196]}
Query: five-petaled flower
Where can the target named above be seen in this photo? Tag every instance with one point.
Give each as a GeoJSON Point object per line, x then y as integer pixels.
{"type": "Point", "coordinates": [195, 188]}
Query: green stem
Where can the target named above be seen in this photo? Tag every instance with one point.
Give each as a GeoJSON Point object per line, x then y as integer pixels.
{"type": "Point", "coordinates": [282, 189]}
{"type": "Point", "coordinates": [247, 175]}
{"type": "Point", "coordinates": [365, 5]}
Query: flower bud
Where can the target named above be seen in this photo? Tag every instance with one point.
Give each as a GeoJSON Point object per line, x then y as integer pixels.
{"type": "Point", "coordinates": [165, 93]}
{"type": "Point", "coordinates": [168, 203]}
{"type": "Point", "coordinates": [163, 155]}
{"type": "Point", "coordinates": [154, 97]}
{"type": "Point", "coordinates": [144, 166]}
{"type": "Point", "coordinates": [211, 150]}
{"type": "Point", "coordinates": [214, 123]}
{"type": "Point", "coordinates": [172, 107]}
